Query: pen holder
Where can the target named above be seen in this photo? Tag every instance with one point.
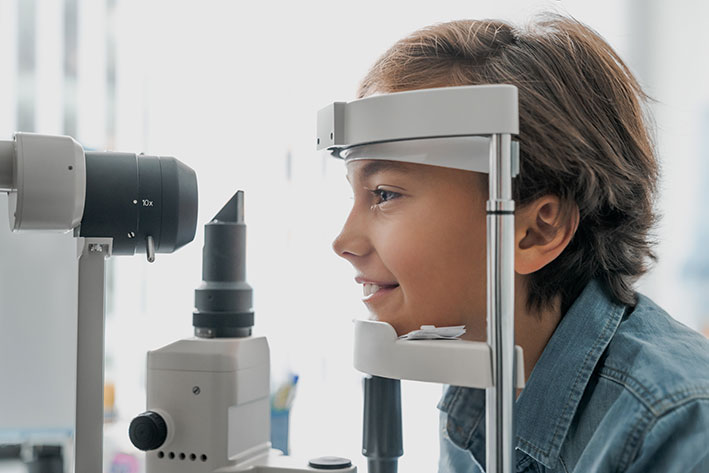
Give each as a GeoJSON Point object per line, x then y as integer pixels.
{"type": "Point", "coordinates": [279, 429]}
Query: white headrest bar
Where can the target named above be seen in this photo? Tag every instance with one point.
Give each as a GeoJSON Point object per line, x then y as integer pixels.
{"type": "Point", "coordinates": [478, 110]}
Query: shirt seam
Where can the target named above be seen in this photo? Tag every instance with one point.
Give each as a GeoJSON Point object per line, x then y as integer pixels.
{"type": "Point", "coordinates": [452, 419]}
{"type": "Point", "coordinates": [620, 378]}
{"type": "Point", "coordinates": [650, 421]}
{"type": "Point", "coordinates": [636, 438]}
{"type": "Point", "coordinates": [476, 423]}
{"type": "Point", "coordinates": [448, 401]}
{"type": "Point", "coordinates": [524, 462]}
{"type": "Point", "coordinates": [658, 405]}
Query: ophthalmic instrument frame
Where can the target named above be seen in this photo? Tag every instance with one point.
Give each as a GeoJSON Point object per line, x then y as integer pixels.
{"type": "Point", "coordinates": [468, 128]}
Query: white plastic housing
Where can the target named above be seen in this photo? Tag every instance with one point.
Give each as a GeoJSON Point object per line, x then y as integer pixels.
{"type": "Point", "coordinates": [378, 351]}
{"type": "Point", "coordinates": [216, 393]}
{"type": "Point", "coordinates": [49, 183]}
{"type": "Point", "coordinates": [214, 396]}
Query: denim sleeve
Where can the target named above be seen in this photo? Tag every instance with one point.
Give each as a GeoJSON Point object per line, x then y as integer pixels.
{"type": "Point", "coordinates": [677, 441]}
{"type": "Point", "coordinates": [454, 459]}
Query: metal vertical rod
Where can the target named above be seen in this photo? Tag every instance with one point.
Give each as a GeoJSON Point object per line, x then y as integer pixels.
{"type": "Point", "coordinates": [240, 207]}
{"type": "Point", "coordinates": [499, 398]}
{"type": "Point", "coordinates": [88, 434]}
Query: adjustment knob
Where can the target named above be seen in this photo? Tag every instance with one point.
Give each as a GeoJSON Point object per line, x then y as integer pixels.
{"type": "Point", "coordinates": [330, 463]}
{"type": "Point", "coordinates": [148, 431]}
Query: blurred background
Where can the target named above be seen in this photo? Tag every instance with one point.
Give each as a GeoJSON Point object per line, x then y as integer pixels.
{"type": "Point", "coordinates": [231, 88]}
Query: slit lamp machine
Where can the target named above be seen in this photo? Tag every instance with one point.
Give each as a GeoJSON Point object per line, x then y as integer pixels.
{"type": "Point", "coordinates": [207, 407]}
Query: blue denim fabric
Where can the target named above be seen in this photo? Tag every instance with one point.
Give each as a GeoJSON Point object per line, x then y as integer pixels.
{"type": "Point", "coordinates": [617, 389]}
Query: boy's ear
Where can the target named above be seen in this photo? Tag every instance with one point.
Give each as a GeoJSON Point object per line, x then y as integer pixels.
{"type": "Point", "coordinates": [542, 230]}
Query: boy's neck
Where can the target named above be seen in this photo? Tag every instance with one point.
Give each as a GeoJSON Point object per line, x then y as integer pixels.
{"type": "Point", "coordinates": [533, 329]}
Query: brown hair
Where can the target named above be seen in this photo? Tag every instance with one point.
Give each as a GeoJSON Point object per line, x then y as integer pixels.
{"type": "Point", "coordinates": [583, 135]}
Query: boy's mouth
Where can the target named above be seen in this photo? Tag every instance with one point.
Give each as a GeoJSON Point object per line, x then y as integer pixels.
{"type": "Point", "coordinates": [371, 290]}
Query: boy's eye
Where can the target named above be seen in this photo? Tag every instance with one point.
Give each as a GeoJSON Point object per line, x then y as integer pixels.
{"type": "Point", "coordinates": [384, 195]}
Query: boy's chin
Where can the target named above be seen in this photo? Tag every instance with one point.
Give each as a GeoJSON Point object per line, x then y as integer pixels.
{"type": "Point", "coordinates": [399, 328]}
{"type": "Point", "coordinates": [377, 318]}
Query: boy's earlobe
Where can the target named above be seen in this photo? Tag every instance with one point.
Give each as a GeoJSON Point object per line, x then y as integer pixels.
{"type": "Point", "coordinates": [543, 229]}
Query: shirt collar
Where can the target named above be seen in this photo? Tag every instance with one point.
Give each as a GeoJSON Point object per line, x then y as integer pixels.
{"type": "Point", "coordinates": [547, 405]}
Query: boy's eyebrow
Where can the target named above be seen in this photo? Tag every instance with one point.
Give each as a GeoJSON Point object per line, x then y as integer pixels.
{"type": "Point", "coordinates": [376, 166]}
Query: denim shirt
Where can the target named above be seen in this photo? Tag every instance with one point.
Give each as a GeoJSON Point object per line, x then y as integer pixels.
{"type": "Point", "coordinates": [616, 389]}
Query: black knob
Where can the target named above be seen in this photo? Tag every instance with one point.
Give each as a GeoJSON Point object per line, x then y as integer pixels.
{"type": "Point", "coordinates": [148, 431]}
{"type": "Point", "coordinates": [330, 463]}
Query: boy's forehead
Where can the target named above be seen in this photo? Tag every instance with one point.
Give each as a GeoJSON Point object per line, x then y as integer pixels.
{"type": "Point", "coordinates": [362, 169]}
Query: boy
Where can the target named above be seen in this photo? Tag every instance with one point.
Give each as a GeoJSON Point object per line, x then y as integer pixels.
{"type": "Point", "coordinates": [613, 383]}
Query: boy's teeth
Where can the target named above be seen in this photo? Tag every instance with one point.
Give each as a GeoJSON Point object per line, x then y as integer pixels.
{"type": "Point", "coordinates": [369, 289]}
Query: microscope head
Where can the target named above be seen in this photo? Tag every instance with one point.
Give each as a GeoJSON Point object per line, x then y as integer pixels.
{"type": "Point", "coordinates": [144, 203]}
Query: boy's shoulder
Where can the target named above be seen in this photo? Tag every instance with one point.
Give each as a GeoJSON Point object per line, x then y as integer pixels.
{"type": "Point", "coordinates": [647, 407]}
{"type": "Point", "coordinates": [663, 362]}
{"type": "Point", "coordinates": [616, 389]}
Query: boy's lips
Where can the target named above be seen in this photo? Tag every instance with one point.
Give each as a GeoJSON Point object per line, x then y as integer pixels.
{"type": "Point", "coordinates": [375, 290]}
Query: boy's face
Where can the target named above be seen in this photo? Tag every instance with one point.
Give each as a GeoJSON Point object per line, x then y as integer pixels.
{"type": "Point", "coordinates": [419, 232]}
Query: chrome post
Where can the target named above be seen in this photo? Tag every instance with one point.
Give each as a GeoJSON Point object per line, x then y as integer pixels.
{"type": "Point", "coordinates": [500, 397]}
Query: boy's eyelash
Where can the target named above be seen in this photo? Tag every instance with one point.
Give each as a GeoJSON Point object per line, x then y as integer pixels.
{"type": "Point", "coordinates": [381, 193]}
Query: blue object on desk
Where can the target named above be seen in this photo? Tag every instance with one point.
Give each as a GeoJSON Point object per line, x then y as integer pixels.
{"type": "Point", "coordinates": [279, 429]}
{"type": "Point", "coordinates": [281, 402]}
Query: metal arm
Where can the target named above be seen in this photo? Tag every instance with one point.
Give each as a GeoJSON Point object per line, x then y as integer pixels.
{"type": "Point", "coordinates": [499, 398]}
{"type": "Point", "coordinates": [88, 447]}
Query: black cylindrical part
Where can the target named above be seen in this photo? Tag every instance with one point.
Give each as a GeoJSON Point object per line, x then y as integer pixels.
{"type": "Point", "coordinates": [46, 459]}
{"type": "Point", "coordinates": [224, 300]}
{"type": "Point", "coordinates": [382, 442]}
{"type": "Point", "coordinates": [224, 241]}
{"type": "Point", "coordinates": [382, 465]}
{"type": "Point", "coordinates": [148, 431]}
{"type": "Point", "coordinates": [132, 197]}
{"type": "Point", "coordinates": [10, 451]}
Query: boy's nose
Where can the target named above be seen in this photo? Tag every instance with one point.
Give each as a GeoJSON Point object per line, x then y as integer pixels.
{"type": "Point", "coordinates": [351, 242]}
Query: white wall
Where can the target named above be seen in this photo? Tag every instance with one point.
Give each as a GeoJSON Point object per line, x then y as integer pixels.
{"type": "Point", "coordinates": [669, 47]}
{"type": "Point", "coordinates": [38, 289]}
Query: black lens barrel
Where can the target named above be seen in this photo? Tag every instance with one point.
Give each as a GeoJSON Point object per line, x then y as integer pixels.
{"type": "Point", "coordinates": [132, 197]}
